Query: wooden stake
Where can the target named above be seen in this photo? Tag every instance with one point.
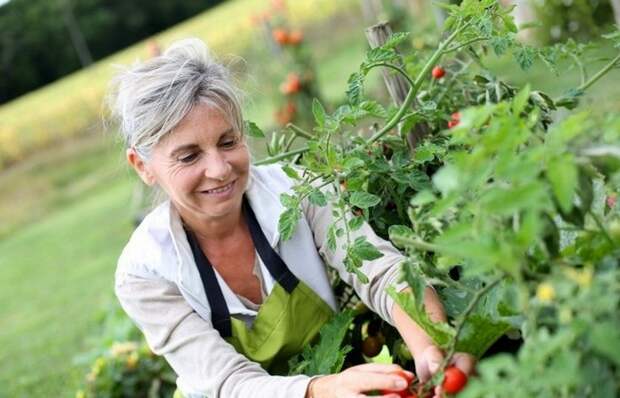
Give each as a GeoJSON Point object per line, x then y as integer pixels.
{"type": "Point", "coordinates": [397, 85]}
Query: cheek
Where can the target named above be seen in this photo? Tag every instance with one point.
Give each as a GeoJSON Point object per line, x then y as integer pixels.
{"type": "Point", "coordinates": [241, 160]}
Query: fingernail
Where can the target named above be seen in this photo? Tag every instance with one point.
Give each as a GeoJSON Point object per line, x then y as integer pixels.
{"type": "Point", "coordinates": [433, 366]}
{"type": "Point", "coordinates": [399, 383]}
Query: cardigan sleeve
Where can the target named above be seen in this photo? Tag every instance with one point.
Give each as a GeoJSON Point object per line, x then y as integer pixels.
{"type": "Point", "coordinates": [206, 365]}
{"type": "Point", "coordinates": [382, 272]}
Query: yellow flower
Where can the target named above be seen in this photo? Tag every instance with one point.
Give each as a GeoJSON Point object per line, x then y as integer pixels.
{"type": "Point", "coordinates": [582, 277]}
{"type": "Point", "coordinates": [132, 360]}
{"type": "Point", "coordinates": [545, 292]}
{"type": "Point", "coordinates": [80, 394]}
{"type": "Point", "coordinates": [126, 347]}
{"type": "Point", "coordinates": [98, 365]}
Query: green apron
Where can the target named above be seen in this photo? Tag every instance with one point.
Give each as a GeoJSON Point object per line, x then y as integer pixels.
{"type": "Point", "coordinates": [287, 320]}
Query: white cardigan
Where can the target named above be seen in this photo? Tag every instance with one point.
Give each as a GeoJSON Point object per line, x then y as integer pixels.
{"type": "Point", "coordinates": [159, 287]}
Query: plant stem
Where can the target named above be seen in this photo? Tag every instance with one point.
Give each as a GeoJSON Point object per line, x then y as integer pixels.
{"type": "Point", "coordinates": [281, 156]}
{"type": "Point", "coordinates": [600, 225]}
{"type": "Point", "coordinates": [415, 87]}
{"type": "Point", "coordinates": [463, 318]}
{"type": "Point", "coordinates": [599, 74]}
{"type": "Point", "coordinates": [467, 43]}
{"type": "Point", "coordinates": [395, 67]}
{"type": "Point", "coordinates": [418, 244]}
{"type": "Point", "coordinates": [299, 131]}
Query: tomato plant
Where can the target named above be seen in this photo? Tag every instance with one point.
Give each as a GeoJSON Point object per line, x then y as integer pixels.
{"type": "Point", "coordinates": [506, 212]}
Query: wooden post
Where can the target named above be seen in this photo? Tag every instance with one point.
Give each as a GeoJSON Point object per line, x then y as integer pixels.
{"type": "Point", "coordinates": [397, 85]}
{"type": "Point", "coordinates": [615, 4]}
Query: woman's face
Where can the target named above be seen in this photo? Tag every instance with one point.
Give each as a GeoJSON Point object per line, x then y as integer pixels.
{"type": "Point", "coordinates": [203, 165]}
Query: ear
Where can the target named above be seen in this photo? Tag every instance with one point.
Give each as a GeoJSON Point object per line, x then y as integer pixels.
{"type": "Point", "coordinates": [140, 166]}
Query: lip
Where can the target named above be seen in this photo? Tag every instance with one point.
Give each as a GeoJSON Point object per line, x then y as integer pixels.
{"type": "Point", "coordinates": [230, 185]}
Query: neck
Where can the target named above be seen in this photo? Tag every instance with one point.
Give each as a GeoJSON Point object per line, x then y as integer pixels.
{"type": "Point", "coordinates": [214, 229]}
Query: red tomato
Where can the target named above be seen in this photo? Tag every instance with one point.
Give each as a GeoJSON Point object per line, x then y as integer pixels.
{"type": "Point", "coordinates": [455, 116]}
{"type": "Point", "coordinates": [295, 37]}
{"type": "Point", "coordinates": [454, 380]}
{"type": "Point", "coordinates": [404, 393]}
{"type": "Point", "coordinates": [438, 72]}
{"type": "Point", "coordinates": [280, 36]}
{"type": "Point", "coordinates": [453, 123]}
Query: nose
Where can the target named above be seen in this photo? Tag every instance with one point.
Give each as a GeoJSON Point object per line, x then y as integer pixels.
{"type": "Point", "coordinates": [217, 166]}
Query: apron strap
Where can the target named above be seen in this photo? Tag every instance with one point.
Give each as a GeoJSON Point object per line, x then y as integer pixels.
{"type": "Point", "coordinates": [220, 316]}
{"type": "Point", "coordinates": [272, 260]}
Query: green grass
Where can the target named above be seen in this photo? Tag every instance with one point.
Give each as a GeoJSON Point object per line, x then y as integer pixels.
{"type": "Point", "coordinates": [56, 275]}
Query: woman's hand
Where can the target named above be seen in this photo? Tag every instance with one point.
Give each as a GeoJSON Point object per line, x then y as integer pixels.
{"type": "Point", "coordinates": [354, 382]}
{"type": "Point", "coordinates": [428, 361]}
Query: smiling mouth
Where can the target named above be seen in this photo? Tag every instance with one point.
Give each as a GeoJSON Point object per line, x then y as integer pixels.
{"type": "Point", "coordinates": [220, 190]}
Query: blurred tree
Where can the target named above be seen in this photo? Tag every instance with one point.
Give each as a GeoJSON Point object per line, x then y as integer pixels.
{"type": "Point", "coordinates": [43, 40]}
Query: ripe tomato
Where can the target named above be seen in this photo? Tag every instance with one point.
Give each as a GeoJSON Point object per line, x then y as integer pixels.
{"type": "Point", "coordinates": [280, 36]}
{"type": "Point", "coordinates": [295, 37]}
{"type": "Point", "coordinates": [406, 392]}
{"type": "Point", "coordinates": [438, 72]}
{"type": "Point", "coordinates": [292, 84]}
{"type": "Point", "coordinates": [454, 380]}
{"type": "Point", "coordinates": [455, 116]}
{"type": "Point", "coordinates": [453, 123]}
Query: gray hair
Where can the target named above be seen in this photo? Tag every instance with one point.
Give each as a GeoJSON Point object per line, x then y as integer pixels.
{"type": "Point", "coordinates": [150, 98]}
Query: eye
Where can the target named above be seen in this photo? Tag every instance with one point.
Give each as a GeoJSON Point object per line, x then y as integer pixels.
{"type": "Point", "coordinates": [188, 158]}
{"type": "Point", "coordinates": [229, 142]}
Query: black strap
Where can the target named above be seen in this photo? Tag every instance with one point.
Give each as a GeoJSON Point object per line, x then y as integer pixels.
{"type": "Point", "coordinates": [272, 260]}
{"type": "Point", "coordinates": [220, 316]}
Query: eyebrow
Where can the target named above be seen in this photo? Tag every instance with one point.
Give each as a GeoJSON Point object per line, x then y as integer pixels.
{"type": "Point", "coordinates": [186, 147]}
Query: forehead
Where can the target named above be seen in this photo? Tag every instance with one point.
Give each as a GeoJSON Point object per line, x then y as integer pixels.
{"type": "Point", "coordinates": [204, 123]}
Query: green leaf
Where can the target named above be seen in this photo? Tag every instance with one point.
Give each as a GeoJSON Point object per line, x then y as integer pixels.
{"type": "Point", "coordinates": [356, 223]}
{"type": "Point", "coordinates": [363, 200]}
{"type": "Point", "coordinates": [288, 222]}
{"type": "Point", "coordinates": [317, 198]}
{"type": "Point", "coordinates": [331, 237]}
{"type": "Point", "coordinates": [364, 250]}
{"type": "Point", "coordinates": [395, 39]}
{"type": "Point", "coordinates": [328, 355]}
{"type": "Point", "coordinates": [506, 201]}
{"type": "Point", "coordinates": [563, 176]}
{"type": "Point", "coordinates": [604, 338]}
{"type": "Point", "coordinates": [400, 235]}
{"type": "Point", "coordinates": [355, 88]}
{"type": "Point", "coordinates": [441, 333]}
{"type": "Point", "coordinates": [520, 100]}
{"type": "Point", "coordinates": [446, 179]}
{"type": "Point", "coordinates": [253, 130]}
{"type": "Point", "coordinates": [374, 109]}
{"type": "Point", "coordinates": [319, 112]}
{"type": "Point", "coordinates": [291, 172]}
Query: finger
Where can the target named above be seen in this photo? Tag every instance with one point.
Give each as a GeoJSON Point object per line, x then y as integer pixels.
{"type": "Point", "coordinates": [434, 357]}
{"type": "Point", "coordinates": [464, 361]}
{"type": "Point", "coordinates": [368, 381]}
{"type": "Point", "coordinates": [377, 368]}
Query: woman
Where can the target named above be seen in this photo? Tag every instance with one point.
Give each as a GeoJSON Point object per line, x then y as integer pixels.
{"type": "Point", "coordinates": [206, 277]}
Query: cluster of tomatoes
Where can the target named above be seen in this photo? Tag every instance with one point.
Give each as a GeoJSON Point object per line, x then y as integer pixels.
{"type": "Point", "coordinates": [287, 38]}
{"type": "Point", "coordinates": [455, 119]}
{"type": "Point", "coordinates": [453, 382]}
{"type": "Point", "coordinates": [291, 85]}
